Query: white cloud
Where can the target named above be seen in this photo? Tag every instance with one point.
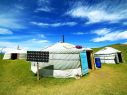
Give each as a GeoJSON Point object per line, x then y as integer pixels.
{"type": "Point", "coordinates": [111, 36]}
{"type": "Point", "coordinates": [124, 23]}
{"type": "Point", "coordinates": [98, 13]}
{"type": "Point", "coordinates": [20, 7]}
{"type": "Point", "coordinates": [10, 23]}
{"type": "Point", "coordinates": [32, 44]}
{"type": "Point", "coordinates": [5, 31]}
{"type": "Point", "coordinates": [45, 9]}
{"type": "Point", "coordinates": [38, 41]}
{"type": "Point", "coordinates": [102, 32]}
{"type": "Point", "coordinates": [125, 43]}
{"type": "Point", "coordinates": [79, 33]}
{"type": "Point", "coordinates": [54, 24]}
{"type": "Point", "coordinates": [43, 2]}
{"type": "Point", "coordinates": [11, 17]}
{"type": "Point", "coordinates": [18, 37]}
{"type": "Point", "coordinates": [43, 5]}
{"type": "Point", "coordinates": [41, 35]}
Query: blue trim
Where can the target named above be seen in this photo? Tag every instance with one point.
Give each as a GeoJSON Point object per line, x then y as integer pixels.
{"type": "Point", "coordinates": [84, 62]}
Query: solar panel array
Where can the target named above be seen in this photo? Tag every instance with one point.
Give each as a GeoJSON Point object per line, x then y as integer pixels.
{"type": "Point", "coordinates": [38, 56]}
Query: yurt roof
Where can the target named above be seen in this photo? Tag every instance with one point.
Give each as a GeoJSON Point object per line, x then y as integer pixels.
{"type": "Point", "coordinates": [107, 50]}
{"type": "Point", "coordinates": [12, 50]}
{"type": "Point", "coordinates": [64, 47]}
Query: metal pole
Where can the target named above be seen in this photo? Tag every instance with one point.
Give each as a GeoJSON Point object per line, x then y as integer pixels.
{"type": "Point", "coordinates": [38, 77]}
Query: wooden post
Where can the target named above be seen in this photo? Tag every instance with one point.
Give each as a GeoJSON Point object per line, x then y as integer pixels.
{"type": "Point", "coordinates": [122, 57]}
{"type": "Point", "coordinates": [38, 77]}
{"type": "Point", "coordinates": [93, 63]}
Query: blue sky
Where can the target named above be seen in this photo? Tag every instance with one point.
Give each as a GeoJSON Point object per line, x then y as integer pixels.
{"type": "Point", "coordinates": [34, 24]}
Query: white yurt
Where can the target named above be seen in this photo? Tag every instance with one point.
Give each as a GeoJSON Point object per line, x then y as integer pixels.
{"type": "Point", "coordinates": [64, 61]}
{"type": "Point", "coordinates": [11, 53]}
{"type": "Point", "coordinates": [109, 55]}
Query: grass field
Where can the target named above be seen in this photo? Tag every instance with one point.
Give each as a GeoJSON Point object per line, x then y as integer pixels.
{"type": "Point", "coordinates": [17, 79]}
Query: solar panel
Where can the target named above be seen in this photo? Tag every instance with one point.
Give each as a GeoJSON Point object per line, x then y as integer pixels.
{"type": "Point", "coordinates": [38, 56]}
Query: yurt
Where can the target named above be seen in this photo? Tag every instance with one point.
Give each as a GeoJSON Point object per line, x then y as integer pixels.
{"type": "Point", "coordinates": [65, 60]}
{"type": "Point", "coordinates": [11, 53]}
{"type": "Point", "coordinates": [109, 55]}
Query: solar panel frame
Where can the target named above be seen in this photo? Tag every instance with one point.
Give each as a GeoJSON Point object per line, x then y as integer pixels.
{"type": "Point", "coordinates": [38, 56]}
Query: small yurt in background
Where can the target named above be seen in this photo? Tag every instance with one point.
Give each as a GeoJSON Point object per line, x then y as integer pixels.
{"type": "Point", "coordinates": [109, 55]}
{"type": "Point", "coordinates": [11, 53]}
{"type": "Point", "coordinates": [65, 61]}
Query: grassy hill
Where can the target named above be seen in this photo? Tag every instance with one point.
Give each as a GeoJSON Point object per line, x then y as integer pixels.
{"type": "Point", "coordinates": [121, 47]}
{"type": "Point", "coordinates": [1, 56]}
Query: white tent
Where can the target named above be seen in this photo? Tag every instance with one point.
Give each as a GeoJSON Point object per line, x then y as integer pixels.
{"type": "Point", "coordinates": [11, 53]}
{"type": "Point", "coordinates": [109, 55]}
{"type": "Point", "coordinates": [64, 61]}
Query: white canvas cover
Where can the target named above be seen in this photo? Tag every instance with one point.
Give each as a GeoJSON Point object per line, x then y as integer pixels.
{"type": "Point", "coordinates": [64, 61]}
{"type": "Point", "coordinates": [64, 48]}
{"type": "Point", "coordinates": [66, 73]}
{"type": "Point", "coordinates": [107, 50]}
{"type": "Point", "coordinates": [108, 55]}
{"type": "Point", "coordinates": [8, 51]}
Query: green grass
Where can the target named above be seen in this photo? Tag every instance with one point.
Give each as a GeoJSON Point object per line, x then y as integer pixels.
{"type": "Point", "coordinates": [17, 79]}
